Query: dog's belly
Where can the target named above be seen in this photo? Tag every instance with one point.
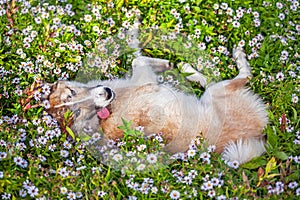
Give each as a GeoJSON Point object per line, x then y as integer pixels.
{"type": "Point", "coordinates": [157, 109]}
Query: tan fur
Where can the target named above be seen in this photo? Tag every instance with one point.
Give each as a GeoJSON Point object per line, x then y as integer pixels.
{"type": "Point", "coordinates": [226, 113]}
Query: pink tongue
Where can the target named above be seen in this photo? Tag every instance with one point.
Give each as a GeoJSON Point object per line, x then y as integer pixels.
{"type": "Point", "coordinates": [103, 113]}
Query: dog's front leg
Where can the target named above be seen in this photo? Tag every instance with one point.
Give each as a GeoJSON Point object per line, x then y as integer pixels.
{"type": "Point", "coordinates": [195, 76]}
{"type": "Point", "coordinates": [144, 69]}
{"type": "Point", "coordinates": [156, 64]}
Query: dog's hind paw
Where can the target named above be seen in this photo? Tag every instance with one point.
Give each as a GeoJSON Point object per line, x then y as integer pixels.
{"type": "Point", "coordinates": [238, 52]}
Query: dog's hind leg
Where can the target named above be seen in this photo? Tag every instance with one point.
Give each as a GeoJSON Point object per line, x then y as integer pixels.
{"type": "Point", "coordinates": [241, 114]}
{"type": "Point", "coordinates": [242, 63]}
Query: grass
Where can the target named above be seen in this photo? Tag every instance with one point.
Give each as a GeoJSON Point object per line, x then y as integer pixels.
{"type": "Point", "coordinates": [44, 42]}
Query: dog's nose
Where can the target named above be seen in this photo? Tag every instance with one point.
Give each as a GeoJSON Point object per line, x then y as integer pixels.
{"type": "Point", "coordinates": [109, 93]}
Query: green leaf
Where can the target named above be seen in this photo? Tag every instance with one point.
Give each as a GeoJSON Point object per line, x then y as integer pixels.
{"type": "Point", "coordinates": [255, 163]}
{"type": "Point", "coordinates": [281, 155]}
{"type": "Point", "coordinates": [126, 124]}
{"type": "Point", "coordinates": [196, 9]}
{"type": "Point", "coordinates": [294, 176]}
{"type": "Point", "coordinates": [71, 133]}
{"type": "Point", "coordinates": [272, 136]}
{"type": "Point", "coordinates": [67, 115]}
{"type": "Point", "coordinates": [209, 30]}
{"type": "Point", "coordinates": [107, 177]}
{"type": "Point", "coordinates": [271, 165]}
{"type": "Point", "coordinates": [120, 3]}
{"type": "Point", "coordinates": [167, 25]}
{"type": "Point", "coordinates": [63, 138]}
{"type": "Point", "coordinates": [295, 113]}
{"type": "Point", "coordinates": [85, 138]}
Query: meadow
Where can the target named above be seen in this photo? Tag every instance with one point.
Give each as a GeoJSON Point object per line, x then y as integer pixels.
{"type": "Point", "coordinates": [42, 42]}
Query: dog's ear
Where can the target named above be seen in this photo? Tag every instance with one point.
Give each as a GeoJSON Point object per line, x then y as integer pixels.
{"type": "Point", "coordinates": [51, 95]}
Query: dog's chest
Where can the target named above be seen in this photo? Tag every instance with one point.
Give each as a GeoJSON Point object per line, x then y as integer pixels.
{"type": "Point", "coordinates": [147, 106]}
{"type": "Point", "coordinates": [141, 100]}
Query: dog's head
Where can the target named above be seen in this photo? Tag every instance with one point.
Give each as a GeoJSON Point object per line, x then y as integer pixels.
{"type": "Point", "coordinates": [85, 102]}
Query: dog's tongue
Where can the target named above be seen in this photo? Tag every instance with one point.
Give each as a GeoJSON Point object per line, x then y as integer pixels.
{"type": "Point", "coordinates": [103, 113]}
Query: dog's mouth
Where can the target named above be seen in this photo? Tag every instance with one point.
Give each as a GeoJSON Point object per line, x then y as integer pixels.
{"type": "Point", "coordinates": [103, 113]}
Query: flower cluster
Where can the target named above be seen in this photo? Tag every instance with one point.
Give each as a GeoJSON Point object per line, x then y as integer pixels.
{"type": "Point", "coordinates": [45, 42]}
{"type": "Point", "coordinates": [279, 187]}
{"type": "Point", "coordinates": [210, 184]}
{"type": "Point", "coordinates": [145, 187]}
{"type": "Point", "coordinates": [29, 189]}
{"type": "Point", "coordinates": [69, 194]}
{"type": "Point", "coordinates": [123, 155]}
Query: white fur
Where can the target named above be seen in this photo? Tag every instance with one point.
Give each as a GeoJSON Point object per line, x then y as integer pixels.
{"type": "Point", "coordinates": [242, 64]}
{"type": "Point", "coordinates": [196, 76]}
{"type": "Point", "coordinates": [228, 115]}
{"type": "Point", "coordinates": [243, 150]}
{"type": "Point", "coordinates": [210, 113]}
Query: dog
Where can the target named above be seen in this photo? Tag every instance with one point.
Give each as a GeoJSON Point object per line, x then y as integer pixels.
{"type": "Point", "coordinates": [228, 114]}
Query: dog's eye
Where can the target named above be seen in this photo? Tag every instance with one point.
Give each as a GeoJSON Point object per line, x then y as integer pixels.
{"type": "Point", "coordinates": [73, 92]}
{"type": "Point", "coordinates": [69, 97]}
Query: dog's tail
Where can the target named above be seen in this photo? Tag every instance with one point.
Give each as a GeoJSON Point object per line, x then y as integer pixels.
{"type": "Point", "coordinates": [244, 150]}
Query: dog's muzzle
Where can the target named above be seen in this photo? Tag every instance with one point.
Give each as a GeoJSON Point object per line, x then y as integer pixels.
{"type": "Point", "coordinates": [108, 93]}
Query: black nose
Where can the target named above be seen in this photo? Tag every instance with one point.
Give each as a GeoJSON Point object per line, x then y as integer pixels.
{"type": "Point", "coordinates": [109, 93]}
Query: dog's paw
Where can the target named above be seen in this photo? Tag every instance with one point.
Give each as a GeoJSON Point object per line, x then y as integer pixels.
{"type": "Point", "coordinates": [186, 68]}
{"type": "Point", "coordinates": [238, 52]}
{"type": "Point", "coordinates": [195, 75]}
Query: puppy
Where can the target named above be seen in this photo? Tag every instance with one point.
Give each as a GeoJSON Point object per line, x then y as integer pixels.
{"type": "Point", "coordinates": [228, 114]}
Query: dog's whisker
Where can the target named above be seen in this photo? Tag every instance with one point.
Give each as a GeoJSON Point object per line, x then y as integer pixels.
{"type": "Point", "coordinates": [72, 103]}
